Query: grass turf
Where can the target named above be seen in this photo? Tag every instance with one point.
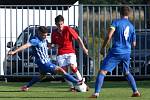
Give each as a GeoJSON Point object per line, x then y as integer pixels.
{"type": "Point", "coordinates": [116, 90]}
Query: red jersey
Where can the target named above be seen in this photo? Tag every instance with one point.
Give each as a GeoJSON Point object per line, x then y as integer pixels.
{"type": "Point", "coordinates": [64, 40]}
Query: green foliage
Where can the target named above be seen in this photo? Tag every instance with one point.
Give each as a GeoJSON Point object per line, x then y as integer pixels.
{"type": "Point", "coordinates": [112, 1]}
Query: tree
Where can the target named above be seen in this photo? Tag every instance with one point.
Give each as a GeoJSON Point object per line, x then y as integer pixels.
{"type": "Point", "coordinates": [112, 1]}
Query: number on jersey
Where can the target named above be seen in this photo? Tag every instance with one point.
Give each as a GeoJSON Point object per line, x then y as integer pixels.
{"type": "Point", "coordinates": [126, 32]}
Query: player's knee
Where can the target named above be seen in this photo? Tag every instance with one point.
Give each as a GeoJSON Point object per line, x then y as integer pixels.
{"type": "Point", "coordinates": [104, 72]}
{"type": "Point", "coordinates": [59, 70]}
{"type": "Point", "coordinates": [65, 68]}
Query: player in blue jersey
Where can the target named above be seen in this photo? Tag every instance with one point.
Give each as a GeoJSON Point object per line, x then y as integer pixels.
{"type": "Point", "coordinates": [123, 34]}
{"type": "Point", "coordinates": [39, 46]}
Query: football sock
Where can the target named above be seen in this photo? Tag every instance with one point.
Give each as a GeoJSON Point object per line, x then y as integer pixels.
{"type": "Point", "coordinates": [33, 81]}
{"type": "Point", "coordinates": [78, 75]}
{"type": "Point", "coordinates": [99, 82]}
{"type": "Point", "coordinates": [70, 78]}
{"type": "Point", "coordinates": [132, 82]}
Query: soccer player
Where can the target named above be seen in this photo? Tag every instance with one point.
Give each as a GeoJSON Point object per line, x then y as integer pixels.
{"type": "Point", "coordinates": [40, 50]}
{"type": "Point", "coordinates": [124, 37]}
{"type": "Point", "coordinates": [63, 37]}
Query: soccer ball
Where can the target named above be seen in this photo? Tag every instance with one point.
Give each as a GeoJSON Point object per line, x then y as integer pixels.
{"type": "Point", "coordinates": [81, 88]}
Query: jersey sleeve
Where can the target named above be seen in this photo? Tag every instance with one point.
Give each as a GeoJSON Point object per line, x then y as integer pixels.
{"type": "Point", "coordinates": [33, 41]}
{"type": "Point", "coordinates": [73, 32]}
{"type": "Point", "coordinates": [113, 25]}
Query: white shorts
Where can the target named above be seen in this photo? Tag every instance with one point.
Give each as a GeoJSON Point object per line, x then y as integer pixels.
{"type": "Point", "coordinates": [66, 59]}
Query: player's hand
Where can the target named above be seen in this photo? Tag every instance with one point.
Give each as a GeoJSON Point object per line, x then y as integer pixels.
{"type": "Point", "coordinates": [86, 51]}
{"type": "Point", "coordinates": [11, 53]}
{"type": "Point", "coordinates": [49, 45]}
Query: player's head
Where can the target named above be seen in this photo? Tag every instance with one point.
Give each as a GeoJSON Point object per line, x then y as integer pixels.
{"type": "Point", "coordinates": [124, 11]}
{"type": "Point", "coordinates": [43, 32]}
{"type": "Point", "coordinates": [59, 21]}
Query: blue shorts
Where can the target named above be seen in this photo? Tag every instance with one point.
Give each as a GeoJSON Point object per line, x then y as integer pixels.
{"type": "Point", "coordinates": [112, 60]}
{"type": "Point", "coordinates": [47, 67]}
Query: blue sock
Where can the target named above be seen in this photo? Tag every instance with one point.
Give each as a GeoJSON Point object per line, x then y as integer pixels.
{"type": "Point", "coordinates": [70, 78]}
{"type": "Point", "coordinates": [33, 81]}
{"type": "Point", "coordinates": [132, 82]}
{"type": "Point", "coordinates": [99, 82]}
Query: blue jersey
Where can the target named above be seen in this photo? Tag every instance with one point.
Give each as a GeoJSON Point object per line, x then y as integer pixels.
{"type": "Point", "coordinates": [40, 49]}
{"type": "Point", "coordinates": [123, 37]}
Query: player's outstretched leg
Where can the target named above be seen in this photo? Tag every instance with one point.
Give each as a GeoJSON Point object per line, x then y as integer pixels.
{"type": "Point", "coordinates": [72, 88]}
{"type": "Point", "coordinates": [68, 76]}
{"type": "Point", "coordinates": [72, 79]}
{"type": "Point", "coordinates": [33, 81]}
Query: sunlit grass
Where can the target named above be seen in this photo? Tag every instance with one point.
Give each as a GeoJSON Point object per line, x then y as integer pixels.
{"type": "Point", "coordinates": [59, 91]}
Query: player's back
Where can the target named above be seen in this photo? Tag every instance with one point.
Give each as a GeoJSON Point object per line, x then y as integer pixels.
{"type": "Point", "coordinates": [39, 48]}
{"type": "Point", "coordinates": [124, 35]}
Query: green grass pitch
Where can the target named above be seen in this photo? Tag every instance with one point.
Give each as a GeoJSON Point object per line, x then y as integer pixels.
{"type": "Point", "coordinates": [112, 90]}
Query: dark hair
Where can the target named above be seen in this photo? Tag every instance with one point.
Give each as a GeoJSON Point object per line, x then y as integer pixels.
{"type": "Point", "coordinates": [43, 29]}
{"type": "Point", "coordinates": [124, 11]}
{"type": "Point", "coordinates": [59, 18]}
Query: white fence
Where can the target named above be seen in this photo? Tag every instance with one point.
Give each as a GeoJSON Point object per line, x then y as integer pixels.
{"type": "Point", "coordinates": [92, 22]}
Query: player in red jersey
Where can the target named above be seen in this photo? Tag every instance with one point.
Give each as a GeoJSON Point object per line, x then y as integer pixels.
{"type": "Point", "coordinates": [63, 37]}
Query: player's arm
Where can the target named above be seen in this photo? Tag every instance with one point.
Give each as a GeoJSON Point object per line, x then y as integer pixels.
{"type": "Point", "coordinates": [134, 39]}
{"type": "Point", "coordinates": [49, 45]}
{"type": "Point", "coordinates": [107, 39]}
{"type": "Point", "coordinates": [82, 45]}
{"type": "Point", "coordinates": [27, 45]}
{"type": "Point", "coordinates": [53, 41]}
{"type": "Point", "coordinates": [134, 43]}
{"type": "Point", "coordinates": [78, 39]}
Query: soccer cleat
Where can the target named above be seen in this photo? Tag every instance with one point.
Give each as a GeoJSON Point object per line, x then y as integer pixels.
{"type": "Point", "coordinates": [95, 95]}
{"type": "Point", "coordinates": [72, 89]}
{"type": "Point", "coordinates": [24, 88]}
{"type": "Point", "coordinates": [80, 82]}
{"type": "Point", "coordinates": [137, 94]}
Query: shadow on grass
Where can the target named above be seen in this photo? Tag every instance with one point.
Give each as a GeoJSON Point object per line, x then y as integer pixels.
{"type": "Point", "coordinates": [122, 84]}
{"type": "Point", "coordinates": [67, 91]}
{"type": "Point", "coordinates": [107, 84]}
{"type": "Point", "coordinates": [43, 97]}
{"type": "Point", "coordinates": [10, 91]}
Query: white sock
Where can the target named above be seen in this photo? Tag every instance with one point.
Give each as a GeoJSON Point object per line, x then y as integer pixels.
{"type": "Point", "coordinates": [78, 75]}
